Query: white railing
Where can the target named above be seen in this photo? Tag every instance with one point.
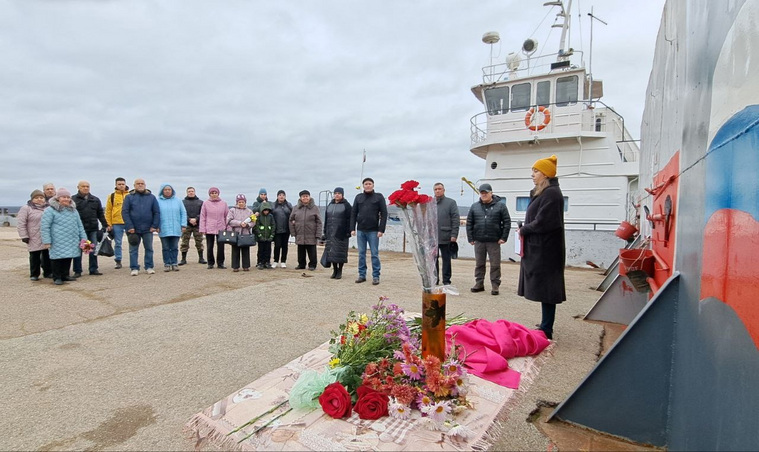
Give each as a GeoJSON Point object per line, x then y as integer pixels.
{"type": "Point", "coordinates": [539, 65]}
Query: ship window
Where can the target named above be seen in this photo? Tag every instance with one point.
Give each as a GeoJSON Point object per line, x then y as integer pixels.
{"type": "Point", "coordinates": [520, 97]}
{"type": "Point", "coordinates": [524, 201]}
{"type": "Point", "coordinates": [566, 90]}
{"type": "Point", "coordinates": [543, 93]}
{"type": "Point", "coordinates": [497, 100]}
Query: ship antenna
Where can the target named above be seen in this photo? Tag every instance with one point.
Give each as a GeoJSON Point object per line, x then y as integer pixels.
{"type": "Point", "coordinates": [590, 59]}
{"type": "Point", "coordinates": [565, 15]}
{"type": "Point", "coordinates": [491, 38]}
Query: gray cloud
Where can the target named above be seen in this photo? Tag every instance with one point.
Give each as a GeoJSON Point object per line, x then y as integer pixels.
{"type": "Point", "coordinates": [243, 95]}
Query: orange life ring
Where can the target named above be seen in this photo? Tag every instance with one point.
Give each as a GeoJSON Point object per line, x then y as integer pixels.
{"type": "Point", "coordinates": [541, 126]}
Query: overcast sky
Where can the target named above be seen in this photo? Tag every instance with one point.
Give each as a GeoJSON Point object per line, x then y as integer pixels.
{"type": "Point", "coordinates": [249, 94]}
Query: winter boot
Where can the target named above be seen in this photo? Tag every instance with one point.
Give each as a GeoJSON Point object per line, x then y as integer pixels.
{"type": "Point", "coordinates": [184, 258]}
{"type": "Point", "coordinates": [339, 271]}
{"type": "Point", "coordinates": [334, 271]}
{"type": "Point", "coordinates": [200, 257]}
{"type": "Point", "coordinates": [118, 264]}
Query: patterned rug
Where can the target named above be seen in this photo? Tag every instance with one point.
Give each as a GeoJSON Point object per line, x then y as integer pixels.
{"type": "Point", "coordinates": [313, 430]}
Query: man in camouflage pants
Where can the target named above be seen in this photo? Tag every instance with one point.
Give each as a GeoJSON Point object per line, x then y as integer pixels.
{"type": "Point", "coordinates": [192, 205]}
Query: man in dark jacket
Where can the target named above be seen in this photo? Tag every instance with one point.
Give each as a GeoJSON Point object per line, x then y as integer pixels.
{"type": "Point", "coordinates": [281, 209]}
{"type": "Point", "coordinates": [192, 205]}
{"type": "Point", "coordinates": [91, 212]}
{"type": "Point", "coordinates": [368, 220]}
{"type": "Point", "coordinates": [447, 231]}
{"type": "Point", "coordinates": [142, 218]}
{"type": "Point", "coordinates": [487, 228]}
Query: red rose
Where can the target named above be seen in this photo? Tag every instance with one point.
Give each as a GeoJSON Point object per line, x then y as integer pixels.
{"type": "Point", "coordinates": [371, 404]}
{"type": "Point", "coordinates": [336, 401]}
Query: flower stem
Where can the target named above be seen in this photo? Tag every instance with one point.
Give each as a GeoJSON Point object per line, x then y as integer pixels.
{"type": "Point", "coordinates": [257, 418]}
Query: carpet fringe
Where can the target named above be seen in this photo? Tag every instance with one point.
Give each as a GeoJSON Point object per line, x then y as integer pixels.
{"type": "Point", "coordinates": [498, 427]}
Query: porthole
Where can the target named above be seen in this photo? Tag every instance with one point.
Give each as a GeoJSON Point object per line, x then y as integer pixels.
{"type": "Point", "coordinates": [493, 165]}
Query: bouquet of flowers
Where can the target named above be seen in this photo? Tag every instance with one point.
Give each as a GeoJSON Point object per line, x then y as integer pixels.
{"type": "Point", "coordinates": [438, 390]}
{"type": "Point", "coordinates": [86, 246]}
{"type": "Point", "coordinates": [421, 226]}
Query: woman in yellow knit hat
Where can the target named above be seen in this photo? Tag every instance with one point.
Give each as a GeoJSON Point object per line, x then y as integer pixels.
{"type": "Point", "coordinates": [541, 271]}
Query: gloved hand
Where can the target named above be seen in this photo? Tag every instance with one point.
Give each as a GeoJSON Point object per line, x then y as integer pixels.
{"type": "Point", "coordinates": [25, 240]}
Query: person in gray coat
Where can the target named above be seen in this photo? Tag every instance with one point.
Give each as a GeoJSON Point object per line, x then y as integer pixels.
{"type": "Point", "coordinates": [306, 226]}
{"type": "Point", "coordinates": [337, 232]}
{"type": "Point", "coordinates": [447, 231]}
{"type": "Point", "coordinates": [487, 228]}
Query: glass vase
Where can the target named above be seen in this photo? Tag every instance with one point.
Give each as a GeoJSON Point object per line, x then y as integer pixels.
{"type": "Point", "coordinates": [433, 325]}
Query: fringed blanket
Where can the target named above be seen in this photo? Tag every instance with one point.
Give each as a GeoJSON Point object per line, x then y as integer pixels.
{"type": "Point", "coordinates": [313, 430]}
{"type": "Point", "coordinates": [488, 346]}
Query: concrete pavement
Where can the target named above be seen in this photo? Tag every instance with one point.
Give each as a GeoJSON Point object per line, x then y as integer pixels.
{"type": "Point", "coordinates": [115, 362]}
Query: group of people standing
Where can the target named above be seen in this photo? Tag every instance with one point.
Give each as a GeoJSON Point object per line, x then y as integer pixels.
{"type": "Point", "coordinates": [54, 222]}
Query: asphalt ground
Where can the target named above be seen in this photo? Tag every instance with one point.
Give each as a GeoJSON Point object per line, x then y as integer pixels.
{"type": "Point", "coordinates": [116, 362]}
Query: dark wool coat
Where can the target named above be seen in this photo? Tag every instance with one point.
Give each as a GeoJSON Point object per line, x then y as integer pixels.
{"type": "Point", "coordinates": [306, 223]}
{"type": "Point", "coordinates": [337, 231]}
{"type": "Point", "coordinates": [541, 271]}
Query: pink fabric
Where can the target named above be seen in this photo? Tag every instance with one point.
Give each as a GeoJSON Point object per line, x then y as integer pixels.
{"type": "Point", "coordinates": [489, 344]}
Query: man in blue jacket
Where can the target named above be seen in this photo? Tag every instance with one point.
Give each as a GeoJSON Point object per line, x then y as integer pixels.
{"type": "Point", "coordinates": [141, 219]}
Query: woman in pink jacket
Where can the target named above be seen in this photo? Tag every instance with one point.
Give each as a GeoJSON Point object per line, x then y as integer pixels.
{"type": "Point", "coordinates": [213, 218]}
{"type": "Point", "coordinates": [28, 226]}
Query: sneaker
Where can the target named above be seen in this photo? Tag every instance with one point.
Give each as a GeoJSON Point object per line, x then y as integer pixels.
{"type": "Point", "coordinates": [58, 282]}
{"type": "Point", "coordinates": [150, 271]}
{"type": "Point", "coordinates": [118, 265]}
{"type": "Point", "coordinates": [175, 268]}
{"type": "Point", "coordinates": [222, 267]}
{"type": "Point", "coordinates": [360, 279]}
{"type": "Point", "coordinates": [135, 272]}
{"type": "Point", "coordinates": [375, 281]}
{"type": "Point", "coordinates": [76, 275]}
{"type": "Point", "coordinates": [167, 268]}
{"type": "Point", "coordinates": [300, 268]}
{"type": "Point", "coordinates": [235, 270]}
{"type": "Point", "coordinates": [267, 265]}
{"type": "Point", "coordinates": [284, 265]}
{"type": "Point", "coordinates": [276, 264]}
{"type": "Point", "coordinates": [311, 268]}
{"type": "Point", "coordinates": [260, 266]}
{"type": "Point", "coordinates": [34, 278]}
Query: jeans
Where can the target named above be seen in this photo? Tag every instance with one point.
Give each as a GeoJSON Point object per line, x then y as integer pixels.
{"type": "Point", "coordinates": [482, 250]}
{"type": "Point", "coordinates": [170, 250]}
{"type": "Point", "coordinates": [118, 236]}
{"type": "Point", "coordinates": [147, 242]}
{"type": "Point", "coordinates": [92, 237]}
{"type": "Point", "coordinates": [444, 252]}
{"type": "Point", "coordinates": [370, 237]}
{"type": "Point", "coordinates": [281, 240]}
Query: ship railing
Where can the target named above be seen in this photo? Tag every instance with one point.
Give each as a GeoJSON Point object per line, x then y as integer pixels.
{"type": "Point", "coordinates": [565, 120]}
{"type": "Point", "coordinates": [539, 65]}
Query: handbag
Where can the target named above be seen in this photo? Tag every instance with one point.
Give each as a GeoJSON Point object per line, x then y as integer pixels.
{"type": "Point", "coordinates": [246, 240]}
{"type": "Point", "coordinates": [229, 237]}
{"type": "Point", "coordinates": [104, 247]}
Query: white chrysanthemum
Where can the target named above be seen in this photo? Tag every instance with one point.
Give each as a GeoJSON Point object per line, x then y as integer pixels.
{"type": "Point", "coordinates": [462, 431]}
{"type": "Point", "coordinates": [438, 411]}
{"type": "Point", "coordinates": [429, 423]}
{"type": "Point", "coordinates": [398, 410]}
